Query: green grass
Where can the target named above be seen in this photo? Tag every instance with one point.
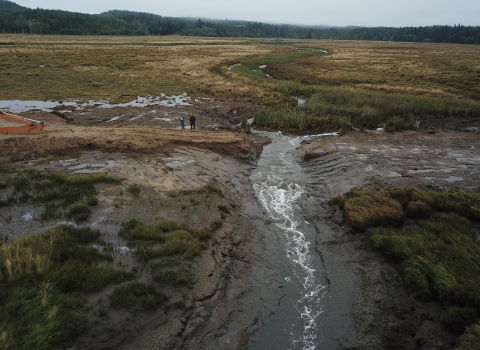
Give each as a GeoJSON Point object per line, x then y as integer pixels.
{"type": "Point", "coordinates": [367, 210]}
{"type": "Point", "coordinates": [329, 108]}
{"type": "Point", "coordinates": [41, 277]}
{"type": "Point", "coordinates": [79, 212]}
{"type": "Point", "coordinates": [437, 252]}
{"type": "Point", "coordinates": [172, 238]}
{"type": "Point", "coordinates": [134, 190]}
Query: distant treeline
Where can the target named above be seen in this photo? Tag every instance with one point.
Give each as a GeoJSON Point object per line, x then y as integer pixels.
{"type": "Point", "coordinates": [18, 19]}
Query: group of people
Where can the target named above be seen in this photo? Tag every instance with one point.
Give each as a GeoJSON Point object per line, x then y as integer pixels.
{"type": "Point", "coordinates": [192, 122]}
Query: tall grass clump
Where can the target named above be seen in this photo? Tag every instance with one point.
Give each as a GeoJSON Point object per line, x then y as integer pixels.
{"type": "Point", "coordinates": [286, 117]}
{"type": "Point", "coordinates": [167, 238]}
{"type": "Point", "coordinates": [41, 277]}
{"type": "Point", "coordinates": [373, 209]}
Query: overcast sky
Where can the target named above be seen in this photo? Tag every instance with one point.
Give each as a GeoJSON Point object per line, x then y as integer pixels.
{"type": "Point", "coordinates": [397, 13]}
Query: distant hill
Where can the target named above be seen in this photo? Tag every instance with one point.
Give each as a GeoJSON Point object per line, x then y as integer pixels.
{"type": "Point", "coordinates": [10, 6]}
{"type": "Point", "coordinates": [18, 19]}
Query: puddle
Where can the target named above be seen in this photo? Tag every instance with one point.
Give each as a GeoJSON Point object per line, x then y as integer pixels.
{"type": "Point", "coordinates": [234, 65]}
{"type": "Point", "coordinates": [19, 106]}
{"type": "Point", "coordinates": [28, 216]}
{"type": "Point", "coordinates": [453, 179]}
{"type": "Point", "coordinates": [300, 101]}
{"type": "Point", "coordinates": [417, 150]}
{"type": "Point", "coordinates": [393, 174]}
{"type": "Point", "coordinates": [424, 171]}
{"type": "Point", "coordinates": [90, 168]}
{"type": "Point", "coordinates": [66, 223]}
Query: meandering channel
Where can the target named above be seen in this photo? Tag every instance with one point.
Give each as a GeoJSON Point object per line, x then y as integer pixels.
{"type": "Point", "coordinates": [280, 185]}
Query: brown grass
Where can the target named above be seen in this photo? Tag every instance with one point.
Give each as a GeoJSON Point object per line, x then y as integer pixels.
{"type": "Point", "coordinates": [116, 67]}
{"type": "Point", "coordinates": [119, 68]}
{"type": "Point", "coordinates": [418, 69]}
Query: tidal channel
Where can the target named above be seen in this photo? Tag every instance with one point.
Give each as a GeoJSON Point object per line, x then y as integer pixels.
{"type": "Point", "coordinates": [281, 187]}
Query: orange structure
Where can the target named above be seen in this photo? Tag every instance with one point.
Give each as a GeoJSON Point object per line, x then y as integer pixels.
{"type": "Point", "coordinates": [29, 125]}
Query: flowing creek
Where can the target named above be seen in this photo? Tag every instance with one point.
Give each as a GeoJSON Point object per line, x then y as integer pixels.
{"type": "Point", "coordinates": [281, 187]}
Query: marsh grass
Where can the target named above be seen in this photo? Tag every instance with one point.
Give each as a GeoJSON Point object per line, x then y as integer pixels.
{"type": "Point", "coordinates": [58, 192]}
{"type": "Point", "coordinates": [79, 212]}
{"type": "Point", "coordinates": [438, 255]}
{"type": "Point", "coordinates": [134, 190]}
{"type": "Point", "coordinates": [331, 108]}
{"type": "Point", "coordinates": [41, 277]}
{"type": "Point", "coordinates": [172, 238]}
{"type": "Point", "coordinates": [367, 210]}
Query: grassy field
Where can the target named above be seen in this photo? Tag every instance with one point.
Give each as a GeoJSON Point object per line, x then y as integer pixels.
{"type": "Point", "coordinates": [357, 84]}
{"type": "Point", "coordinates": [113, 68]}
{"type": "Point", "coordinates": [429, 234]}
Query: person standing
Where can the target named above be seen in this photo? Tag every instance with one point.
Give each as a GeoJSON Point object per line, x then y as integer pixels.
{"type": "Point", "coordinates": [192, 122]}
{"type": "Point", "coordinates": [182, 122]}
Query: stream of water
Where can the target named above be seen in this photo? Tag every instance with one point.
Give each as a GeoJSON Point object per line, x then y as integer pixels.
{"type": "Point", "coordinates": [281, 188]}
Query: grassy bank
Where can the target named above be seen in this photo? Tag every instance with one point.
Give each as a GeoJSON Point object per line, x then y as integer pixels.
{"type": "Point", "coordinates": [331, 108]}
{"type": "Point", "coordinates": [429, 234]}
{"type": "Point", "coordinates": [43, 281]}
